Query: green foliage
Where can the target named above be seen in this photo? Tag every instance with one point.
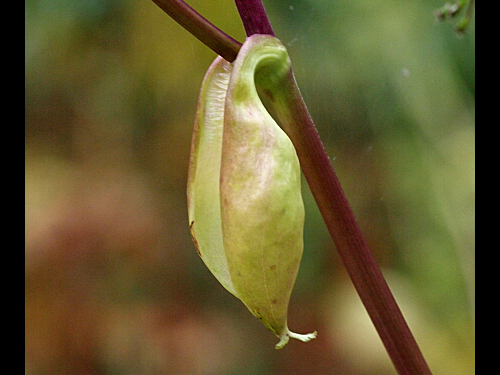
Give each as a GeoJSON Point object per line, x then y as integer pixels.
{"type": "Point", "coordinates": [450, 11]}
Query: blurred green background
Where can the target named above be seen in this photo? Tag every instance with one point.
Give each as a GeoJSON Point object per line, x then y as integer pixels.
{"type": "Point", "coordinates": [113, 284]}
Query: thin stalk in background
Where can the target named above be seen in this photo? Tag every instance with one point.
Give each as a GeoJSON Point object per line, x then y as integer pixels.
{"type": "Point", "coordinates": [324, 184]}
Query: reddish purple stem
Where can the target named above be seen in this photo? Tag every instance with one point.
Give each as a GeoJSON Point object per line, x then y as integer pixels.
{"type": "Point", "coordinates": [254, 17]}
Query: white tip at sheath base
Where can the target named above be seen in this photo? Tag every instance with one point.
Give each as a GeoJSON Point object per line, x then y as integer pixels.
{"type": "Point", "coordinates": [285, 337]}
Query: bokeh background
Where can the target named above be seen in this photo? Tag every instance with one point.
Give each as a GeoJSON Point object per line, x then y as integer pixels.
{"type": "Point", "coordinates": [113, 284]}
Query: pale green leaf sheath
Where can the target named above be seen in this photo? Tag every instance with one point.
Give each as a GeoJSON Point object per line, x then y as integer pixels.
{"type": "Point", "coordinates": [204, 172]}
{"type": "Point", "coordinates": [261, 204]}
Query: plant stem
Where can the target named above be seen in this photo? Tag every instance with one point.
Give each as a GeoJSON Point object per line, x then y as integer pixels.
{"type": "Point", "coordinates": [324, 184]}
{"type": "Point", "coordinates": [201, 28]}
{"type": "Point", "coordinates": [254, 17]}
{"type": "Point", "coordinates": [346, 233]}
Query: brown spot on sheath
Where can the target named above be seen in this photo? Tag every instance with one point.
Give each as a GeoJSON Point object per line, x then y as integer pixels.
{"type": "Point", "coordinates": [274, 302]}
{"type": "Point", "coordinates": [273, 267]}
{"type": "Point", "coordinates": [269, 94]}
{"type": "Point", "coordinates": [194, 238]}
{"type": "Point", "coordinates": [256, 313]}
